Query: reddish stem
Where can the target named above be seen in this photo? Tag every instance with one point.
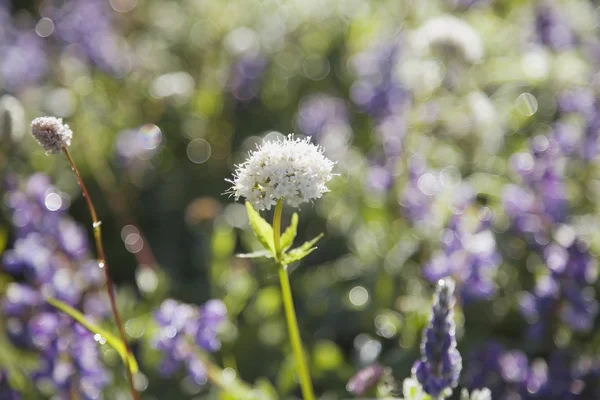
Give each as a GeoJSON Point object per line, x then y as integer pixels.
{"type": "Point", "coordinates": [103, 264]}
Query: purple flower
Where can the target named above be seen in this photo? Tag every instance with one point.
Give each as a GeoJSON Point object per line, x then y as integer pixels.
{"type": "Point", "coordinates": [551, 29]}
{"type": "Point", "coordinates": [24, 61]}
{"type": "Point", "coordinates": [51, 256]}
{"type": "Point", "coordinates": [6, 392]}
{"type": "Point", "coordinates": [182, 328]}
{"type": "Point", "coordinates": [377, 91]}
{"type": "Point", "coordinates": [365, 379]}
{"type": "Point", "coordinates": [420, 190]}
{"type": "Point", "coordinates": [440, 364]}
{"type": "Point", "coordinates": [318, 112]}
{"type": "Point", "coordinates": [246, 76]}
{"type": "Point", "coordinates": [468, 254]}
{"type": "Point", "coordinates": [89, 25]}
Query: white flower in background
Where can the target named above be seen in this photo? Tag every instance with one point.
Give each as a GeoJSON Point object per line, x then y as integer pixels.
{"type": "Point", "coordinates": [449, 31]}
{"type": "Point", "coordinates": [412, 390]}
{"type": "Point", "coordinates": [477, 394]}
{"type": "Point", "coordinates": [51, 133]}
{"type": "Point", "coordinates": [292, 169]}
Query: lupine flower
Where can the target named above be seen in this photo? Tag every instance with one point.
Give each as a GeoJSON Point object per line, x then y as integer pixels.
{"type": "Point", "coordinates": [551, 29]}
{"type": "Point", "coordinates": [292, 169]}
{"type": "Point", "coordinates": [51, 133]}
{"type": "Point", "coordinates": [439, 367]}
{"type": "Point", "coordinates": [183, 328]}
{"type": "Point", "coordinates": [468, 254]}
{"type": "Point", "coordinates": [365, 379]}
{"type": "Point", "coordinates": [50, 256]}
{"type": "Point", "coordinates": [377, 90]}
{"type": "Point", "coordinates": [89, 25]}
{"type": "Point", "coordinates": [319, 112]}
{"type": "Point", "coordinates": [24, 61]}
{"type": "Point", "coordinates": [246, 75]}
{"type": "Point", "coordinates": [574, 270]}
{"type": "Point", "coordinates": [491, 366]}
{"type": "Point", "coordinates": [420, 190]}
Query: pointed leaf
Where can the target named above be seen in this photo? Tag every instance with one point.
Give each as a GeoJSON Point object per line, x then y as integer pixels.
{"type": "Point", "coordinates": [256, 254]}
{"type": "Point", "coordinates": [262, 229]}
{"type": "Point", "coordinates": [287, 239]}
{"type": "Point", "coordinates": [300, 252]}
{"type": "Point", "coordinates": [111, 339]}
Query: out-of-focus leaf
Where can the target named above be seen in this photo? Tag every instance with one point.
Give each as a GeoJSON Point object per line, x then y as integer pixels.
{"type": "Point", "coordinates": [3, 239]}
{"type": "Point", "coordinates": [327, 356]}
{"type": "Point", "coordinates": [265, 389]}
{"type": "Point", "coordinates": [111, 339]}
{"type": "Point", "coordinates": [287, 239]}
{"type": "Point", "coordinates": [262, 229]}
{"type": "Point", "coordinates": [223, 242]}
{"type": "Point", "coordinates": [285, 378]}
{"type": "Point", "coordinates": [300, 252]}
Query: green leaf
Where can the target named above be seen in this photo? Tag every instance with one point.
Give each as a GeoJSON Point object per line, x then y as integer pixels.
{"type": "Point", "coordinates": [287, 239]}
{"type": "Point", "coordinates": [300, 252]}
{"type": "Point", "coordinates": [265, 389]}
{"type": "Point", "coordinates": [262, 229]}
{"type": "Point", "coordinates": [3, 239]}
{"type": "Point", "coordinates": [256, 254]}
{"type": "Point", "coordinates": [111, 339]}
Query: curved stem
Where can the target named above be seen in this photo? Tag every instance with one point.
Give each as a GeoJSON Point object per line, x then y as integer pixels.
{"type": "Point", "coordinates": [290, 313]}
{"type": "Point", "coordinates": [103, 264]}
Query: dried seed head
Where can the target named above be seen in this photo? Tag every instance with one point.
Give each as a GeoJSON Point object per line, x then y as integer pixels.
{"type": "Point", "coordinates": [51, 133]}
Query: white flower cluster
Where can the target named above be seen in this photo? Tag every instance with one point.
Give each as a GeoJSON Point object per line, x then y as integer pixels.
{"type": "Point", "coordinates": [412, 390]}
{"type": "Point", "coordinates": [447, 30]}
{"type": "Point", "coordinates": [51, 133]}
{"type": "Point", "coordinates": [292, 169]}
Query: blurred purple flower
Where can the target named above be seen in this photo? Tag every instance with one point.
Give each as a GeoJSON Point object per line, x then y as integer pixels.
{"type": "Point", "coordinates": [365, 379]}
{"type": "Point", "coordinates": [246, 76]}
{"type": "Point", "coordinates": [468, 254]}
{"type": "Point", "coordinates": [90, 25]}
{"type": "Point", "coordinates": [551, 29]}
{"type": "Point", "coordinates": [24, 61]}
{"type": "Point", "coordinates": [376, 90]}
{"type": "Point", "coordinates": [182, 328]}
{"type": "Point", "coordinates": [319, 111]}
{"type": "Point", "coordinates": [51, 256]}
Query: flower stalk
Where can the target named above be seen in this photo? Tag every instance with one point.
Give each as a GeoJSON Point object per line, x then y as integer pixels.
{"type": "Point", "coordinates": [290, 313]}
{"type": "Point", "coordinates": [96, 224]}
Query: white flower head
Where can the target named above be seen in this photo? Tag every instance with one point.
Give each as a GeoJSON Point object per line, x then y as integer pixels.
{"type": "Point", "coordinates": [51, 133]}
{"type": "Point", "coordinates": [292, 169]}
{"type": "Point", "coordinates": [477, 394]}
{"type": "Point", "coordinates": [449, 31]}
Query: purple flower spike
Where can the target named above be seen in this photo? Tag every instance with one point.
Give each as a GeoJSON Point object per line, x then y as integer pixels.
{"type": "Point", "coordinates": [440, 364]}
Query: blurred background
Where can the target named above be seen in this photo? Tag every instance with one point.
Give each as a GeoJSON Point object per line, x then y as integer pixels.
{"type": "Point", "coordinates": [465, 135]}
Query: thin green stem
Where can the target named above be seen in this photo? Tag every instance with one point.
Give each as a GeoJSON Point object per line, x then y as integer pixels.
{"type": "Point", "coordinates": [277, 228]}
{"type": "Point", "coordinates": [290, 312]}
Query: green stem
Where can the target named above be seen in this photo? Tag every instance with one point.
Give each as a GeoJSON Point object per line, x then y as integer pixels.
{"type": "Point", "coordinates": [277, 228]}
{"type": "Point", "coordinates": [235, 387]}
{"type": "Point", "coordinates": [290, 313]}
